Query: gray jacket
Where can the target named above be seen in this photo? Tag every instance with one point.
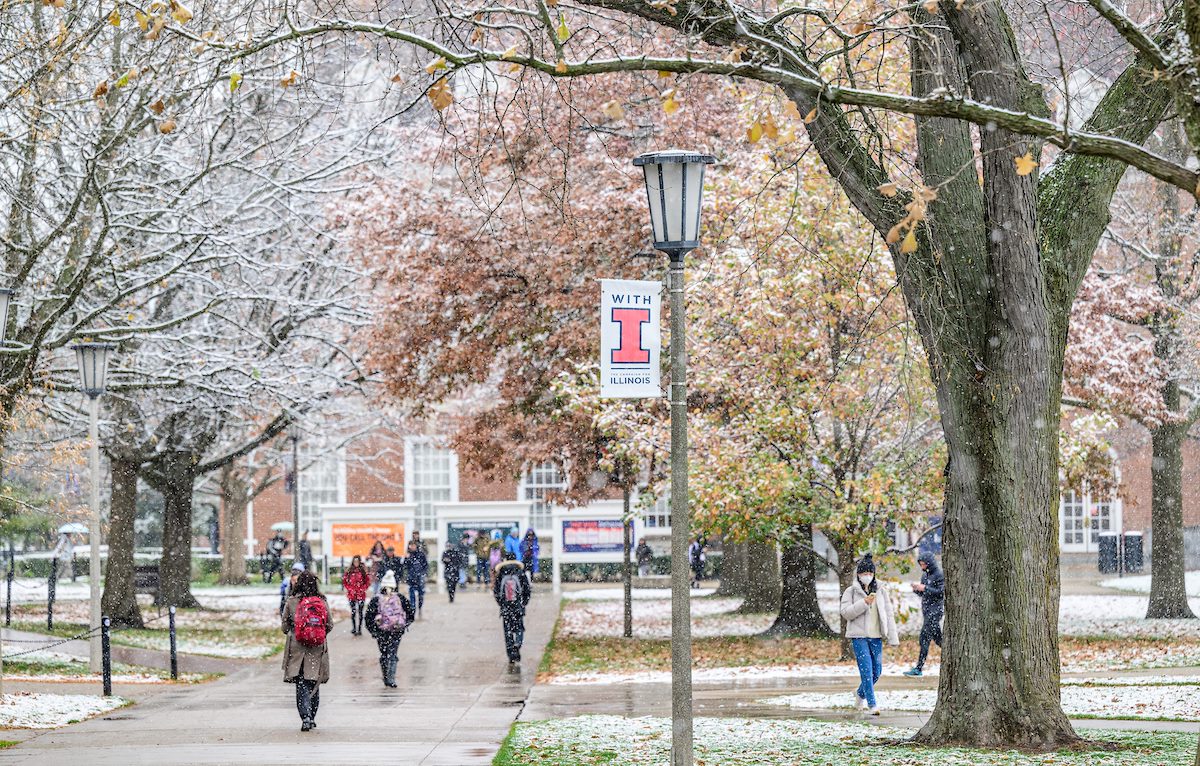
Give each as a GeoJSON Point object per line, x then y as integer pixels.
{"type": "Point", "coordinates": [854, 611]}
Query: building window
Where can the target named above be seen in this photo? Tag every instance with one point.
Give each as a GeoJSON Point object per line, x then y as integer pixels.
{"type": "Point", "coordinates": [659, 515]}
{"type": "Point", "coordinates": [322, 482]}
{"type": "Point", "coordinates": [1083, 516]}
{"type": "Point", "coordinates": [539, 483]}
{"type": "Point", "coordinates": [430, 476]}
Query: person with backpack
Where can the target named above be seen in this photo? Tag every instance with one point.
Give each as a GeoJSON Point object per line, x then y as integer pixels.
{"type": "Point", "coordinates": [416, 573]}
{"type": "Point", "coordinates": [512, 590]}
{"type": "Point", "coordinates": [453, 562]}
{"type": "Point", "coordinates": [355, 582]}
{"type": "Point", "coordinates": [306, 653]}
{"type": "Point", "coordinates": [530, 552]}
{"type": "Point", "coordinates": [388, 615]}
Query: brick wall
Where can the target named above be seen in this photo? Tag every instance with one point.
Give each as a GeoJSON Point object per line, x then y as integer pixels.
{"type": "Point", "coordinates": [1133, 448]}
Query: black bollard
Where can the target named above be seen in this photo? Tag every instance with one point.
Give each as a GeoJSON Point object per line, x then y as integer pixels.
{"type": "Point", "coordinates": [50, 587]}
{"type": "Point", "coordinates": [174, 655]}
{"type": "Point", "coordinates": [106, 655]}
{"type": "Point", "coordinates": [8, 597]}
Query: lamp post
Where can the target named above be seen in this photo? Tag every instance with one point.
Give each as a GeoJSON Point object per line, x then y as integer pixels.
{"type": "Point", "coordinates": [93, 369]}
{"type": "Point", "coordinates": [5, 298]}
{"type": "Point", "coordinates": [294, 435]}
{"type": "Point", "coordinates": [674, 191]}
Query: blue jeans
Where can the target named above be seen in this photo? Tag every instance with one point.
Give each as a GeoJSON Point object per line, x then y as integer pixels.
{"type": "Point", "coordinates": [416, 595]}
{"type": "Point", "coordinates": [481, 569]}
{"type": "Point", "coordinates": [869, 654]}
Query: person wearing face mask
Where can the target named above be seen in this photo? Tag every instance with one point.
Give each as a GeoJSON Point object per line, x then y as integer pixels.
{"type": "Point", "coordinates": [870, 619]}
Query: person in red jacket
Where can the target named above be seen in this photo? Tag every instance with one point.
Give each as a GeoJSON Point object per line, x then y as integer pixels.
{"type": "Point", "coordinates": [355, 582]}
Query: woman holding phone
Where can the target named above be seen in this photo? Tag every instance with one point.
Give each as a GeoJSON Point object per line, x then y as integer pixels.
{"type": "Point", "coordinates": [870, 618]}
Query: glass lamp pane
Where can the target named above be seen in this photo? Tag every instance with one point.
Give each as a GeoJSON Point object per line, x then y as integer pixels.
{"type": "Point", "coordinates": [695, 193]}
{"type": "Point", "coordinates": [655, 201]}
{"type": "Point", "coordinates": [671, 174]}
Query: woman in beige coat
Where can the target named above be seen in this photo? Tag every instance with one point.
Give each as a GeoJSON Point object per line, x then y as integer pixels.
{"type": "Point", "coordinates": [869, 618]}
{"type": "Point", "coordinates": [303, 665]}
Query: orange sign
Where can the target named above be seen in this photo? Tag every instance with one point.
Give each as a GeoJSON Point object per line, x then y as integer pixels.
{"type": "Point", "coordinates": [357, 539]}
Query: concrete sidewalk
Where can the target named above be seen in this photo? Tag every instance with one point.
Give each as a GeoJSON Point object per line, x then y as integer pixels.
{"type": "Point", "coordinates": [456, 701]}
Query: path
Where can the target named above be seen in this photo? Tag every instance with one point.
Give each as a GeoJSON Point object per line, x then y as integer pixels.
{"type": "Point", "coordinates": [455, 704]}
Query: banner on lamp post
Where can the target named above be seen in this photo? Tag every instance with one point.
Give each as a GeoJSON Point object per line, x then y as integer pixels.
{"type": "Point", "coordinates": [630, 339]}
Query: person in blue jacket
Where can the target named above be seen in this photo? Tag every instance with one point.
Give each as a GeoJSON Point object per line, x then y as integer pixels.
{"type": "Point", "coordinates": [512, 543]}
{"type": "Point", "coordinates": [932, 590]}
{"type": "Point", "coordinates": [530, 552]}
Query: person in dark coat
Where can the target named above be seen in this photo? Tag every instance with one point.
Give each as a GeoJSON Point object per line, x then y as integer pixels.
{"type": "Point", "coordinates": [305, 666]}
{"type": "Point", "coordinates": [511, 589]}
{"type": "Point", "coordinates": [388, 640]}
{"type": "Point", "coordinates": [645, 557]}
{"type": "Point", "coordinates": [416, 569]}
{"type": "Point", "coordinates": [453, 563]}
{"type": "Point", "coordinates": [304, 552]}
{"type": "Point", "coordinates": [932, 589]}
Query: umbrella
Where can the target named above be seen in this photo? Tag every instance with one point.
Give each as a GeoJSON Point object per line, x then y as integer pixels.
{"type": "Point", "coordinates": [281, 526]}
{"type": "Point", "coordinates": [73, 528]}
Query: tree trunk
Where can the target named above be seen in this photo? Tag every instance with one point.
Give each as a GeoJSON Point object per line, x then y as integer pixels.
{"type": "Point", "coordinates": [733, 570]}
{"type": "Point", "coordinates": [799, 610]}
{"type": "Point", "coordinates": [174, 477]}
{"type": "Point", "coordinates": [235, 498]}
{"type": "Point", "coordinates": [762, 579]}
{"type": "Point", "coordinates": [1168, 594]}
{"type": "Point", "coordinates": [119, 601]}
{"type": "Point", "coordinates": [846, 566]}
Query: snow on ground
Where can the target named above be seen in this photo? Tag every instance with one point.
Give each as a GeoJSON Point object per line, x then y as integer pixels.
{"type": "Point", "coordinates": [26, 710]}
{"type": "Point", "coordinates": [598, 612]}
{"type": "Point", "coordinates": [776, 742]}
{"type": "Point", "coordinates": [1162, 702]}
{"type": "Point", "coordinates": [1141, 584]}
{"type": "Point", "coordinates": [749, 674]}
{"type": "Point", "coordinates": [122, 674]}
{"type": "Point", "coordinates": [618, 594]}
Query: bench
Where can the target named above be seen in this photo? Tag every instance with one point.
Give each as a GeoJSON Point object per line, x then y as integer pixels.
{"type": "Point", "coordinates": [146, 580]}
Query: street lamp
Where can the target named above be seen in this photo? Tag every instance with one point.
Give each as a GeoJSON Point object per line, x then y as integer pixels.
{"type": "Point", "coordinates": [93, 371]}
{"type": "Point", "coordinates": [294, 434]}
{"type": "Point", "coordinates": [674, 191]}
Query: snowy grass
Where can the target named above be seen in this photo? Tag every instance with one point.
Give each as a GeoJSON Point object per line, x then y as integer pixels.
{"type": "Point", "coordinates": [1141, 584]}
{"type": "Point", "coordinates": [589, 740]}
{"type": "Point", "coordinates": [732, 674]}
{"type": "Point", "coordinates": [25, 710]}
{"type": "Point", "coordinates": [1080, 699]}
{"type": "Point", "coordinates": [59, 667]}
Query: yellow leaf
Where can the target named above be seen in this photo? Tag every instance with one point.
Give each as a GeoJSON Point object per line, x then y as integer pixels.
{"type": "Point", "coordinates": [612, 110]}
{"type": "Point", "coordinates": [808, 118]}
{"type": "Point", "coordinates": [552, 3]}
{"type": "Point", "coordinates": [477, 35]}
{"type": "Point", "coordinates": [114, 18]}
{"type": "Point", "coordinates": [142, 19]}
{"type": "Point", "coordinates": [180, 12]}
{"type": "Point", "coordinates": [167, 126]}
{"type": "Point", "coordinates": [436, 65]}
{"type": "Point", "coordinates": [563, 32]}
{"type": "Point", "coordinates": [235, 81]}
{"type": "Point", "coordinates": [101, 90]}
{"type": "Point", "coordinates": [440, 95]}
{"type": "Point", "coordinates": [1026, 164]}
{"type": "Point", "coordinates": [754, 133]}
{"type": "Point", "coordinates": [156, 28]}
{"type": "Point", "coordinates": [789, 108]}
{"type": "Point", "coordinates": [931, 7]}
{"type": "Point", "coordinates": [887, 189]}
{"type": "Point", "coordinates": [158, 106]}
{"type": "Point", "coordinates": [290, 80]}
{"type": "Point", "coordinates": [509, 53]}
{"type": "Point", "coordinates": [397, 78]}
{"type": "Point", "coordinates": [663, 74]}
{"type": "Point", "coordinates": [893, 235]}
{"type": "Point", "coordinates": [560, 66]}
{"type": "Point", "coordinates": [670, 105]}
{"type": "Point", "coordinates": [909, 245]}
{"type": "Point", "coordinates": [770, 129]}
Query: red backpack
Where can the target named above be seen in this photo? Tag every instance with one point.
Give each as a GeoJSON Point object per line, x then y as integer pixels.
{"type": "Point", "coordinates": [311, 616]}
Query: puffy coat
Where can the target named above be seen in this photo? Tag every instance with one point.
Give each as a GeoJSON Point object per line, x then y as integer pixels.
{"type": "Point", "coordinates": [526, 588]}
{"type": "Point", "coordinates": [300, 661]}
{"type": "Point", "coordinates": [530, 553]}
{"type": "Point", "coordinates": [854, 608]}
{"type": "Point", "coordinates": [384, 637]}
{"type": "Point", "coordinates": [355, 582]}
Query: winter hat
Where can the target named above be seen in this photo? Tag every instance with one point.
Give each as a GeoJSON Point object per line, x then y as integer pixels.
{"type": "Point", "coordinates": [867, 564]}
{"type": "Point", "coordinates": [297, 567]}
{"type": "Point", "coordinates": [388, 580]}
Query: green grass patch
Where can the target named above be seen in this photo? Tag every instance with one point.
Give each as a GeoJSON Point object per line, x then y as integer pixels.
{"type": "Point", "coordinates": [7, 743]}
{"type": "Point", "coordinates": [594, 740]}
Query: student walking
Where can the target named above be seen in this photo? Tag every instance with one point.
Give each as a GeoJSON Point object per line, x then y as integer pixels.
{"type": "Point", "coordinates": [482, 549]}
{"type": "Point", "coordinates": [645, 556]}
{"type": "Point", "coordinates": [416, 572]}
{"type": "Point", "coordinates": [287, 586]}
{"type": "Point", "coordinates": [932, 590]}
{"type": "Point", "coordinates": [453, 562]}
{"type": "Point", "coordinates": [306, 652]}
{"type": "Point", "coordinates": [870, 619]}
{"type": "Point", "coordinates": [696, 558]}
{"type": "Point", "coordinates": [530, 551]}
{"type": "Point", "coordinates": [388, 615]}
{"type": "Point", "coordinates": [512, 590]}
{"type": "Point", "coordinates": [355, 582]}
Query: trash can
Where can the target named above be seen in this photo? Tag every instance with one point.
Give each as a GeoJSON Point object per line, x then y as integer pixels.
{"type": "Point", "coordinates": [1108, 552]}
{"type": "Point", "coordinates": [1134, 552]}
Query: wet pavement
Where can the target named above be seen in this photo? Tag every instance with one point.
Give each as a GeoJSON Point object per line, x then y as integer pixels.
{"type": "Point", "coordinates": [455, 703]}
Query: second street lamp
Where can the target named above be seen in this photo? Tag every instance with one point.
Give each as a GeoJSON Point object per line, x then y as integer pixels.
{"type": "Point", "coordinates": [674, 191]}
{"type": "Point", "coordinates": [294, 434]}
{"type": "Point", "coordinates": [93, 374]}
